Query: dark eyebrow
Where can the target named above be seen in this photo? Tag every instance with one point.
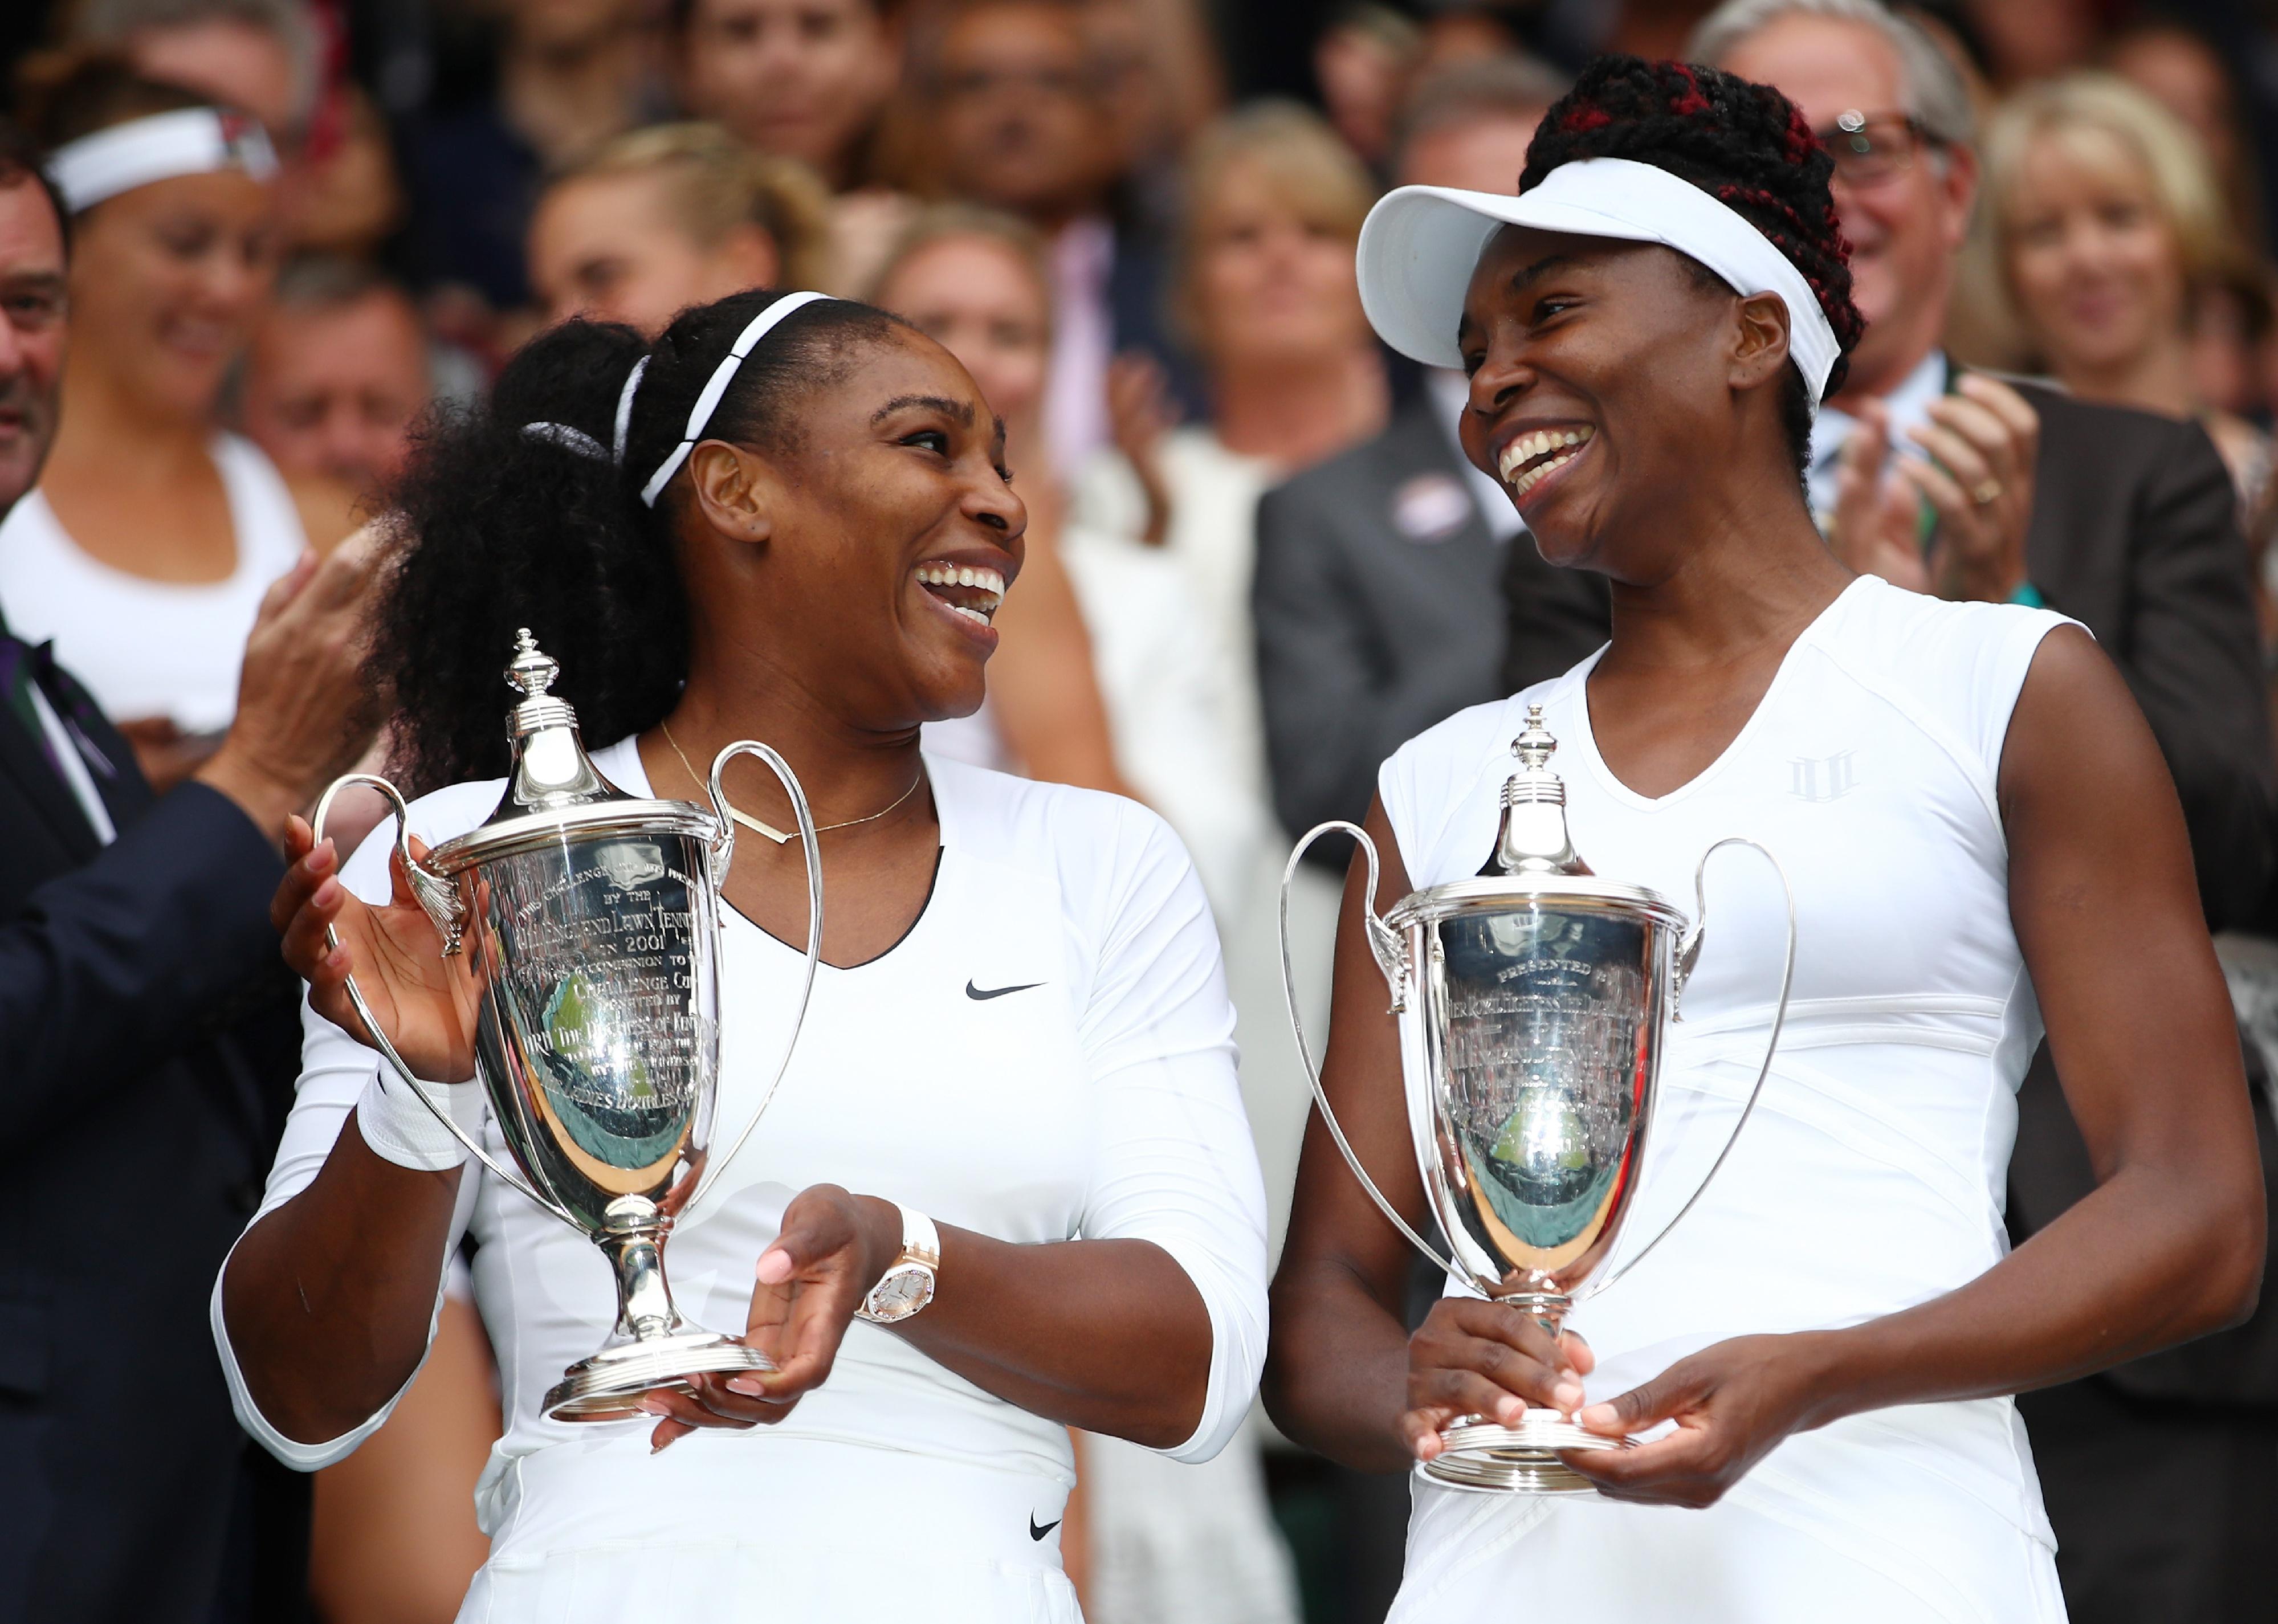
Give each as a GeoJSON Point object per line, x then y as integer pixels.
{"type": "Point", "coordinates": [962, 410]}
{"type": "Point", "coordinates": [1521, 279]}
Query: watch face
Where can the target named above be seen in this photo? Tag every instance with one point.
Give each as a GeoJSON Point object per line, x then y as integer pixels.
{"type": "Point", "coordinates": [902, 1292]}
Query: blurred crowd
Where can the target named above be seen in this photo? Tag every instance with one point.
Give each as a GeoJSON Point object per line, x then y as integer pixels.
{"type": "Point", "coordinates": [1256, 560]}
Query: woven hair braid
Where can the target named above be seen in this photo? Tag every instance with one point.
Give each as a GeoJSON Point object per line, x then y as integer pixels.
{"type": "Point", "coordinates": [1743, 144]}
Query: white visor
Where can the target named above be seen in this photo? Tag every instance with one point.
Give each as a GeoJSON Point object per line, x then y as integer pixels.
{"type": "Point", "coordinates": [195, 141]}
{"type": "Point", "coordinates": [1421, 243]}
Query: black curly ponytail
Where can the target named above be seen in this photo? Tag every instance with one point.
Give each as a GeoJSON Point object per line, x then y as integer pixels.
{"type": "Point", "coordinates": [1746, 145]}
{"type": "Point", "coordinates": [500, 527]}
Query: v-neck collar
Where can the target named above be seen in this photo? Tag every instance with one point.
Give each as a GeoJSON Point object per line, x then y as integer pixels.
{"type": "Point", "coordinates": [630, 774]}
{"type": "Point", "coordinates": [1584, 731]}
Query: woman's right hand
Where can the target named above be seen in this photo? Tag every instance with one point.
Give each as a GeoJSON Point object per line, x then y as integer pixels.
{"type": "Point", "coordinates": [425, 1003]}
{"type": "Point", "coordinates": [1474, 1357]}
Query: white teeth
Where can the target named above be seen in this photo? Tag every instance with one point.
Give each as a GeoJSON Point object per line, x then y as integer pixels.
{"type": "Point", "coordinates": [1542, 443]}
{"type": "Point", "coordinates": [980, 577]}
{"type": "Point", "coordinates": [974, 615]}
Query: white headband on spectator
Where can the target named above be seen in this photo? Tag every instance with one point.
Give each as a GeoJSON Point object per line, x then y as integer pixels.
{"type": "Point", "coordinates": [1420, 244]}
{"type": "Point", "coordinates": [195, 141]}
{"type": "Point", "coordinates": [709, 402]}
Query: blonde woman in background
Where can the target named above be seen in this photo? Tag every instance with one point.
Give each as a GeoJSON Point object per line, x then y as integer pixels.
{"type": "Point", "coordinates": [2106, 219]}
{"type": "Point", "coordinates": [672, 215]}
{"type": "Point", "coordinates": [972, 280]}
{"type": "Point", "coordinates": [1265, 293]}
{"type": "Point", "coordinates": [1163, 1542]}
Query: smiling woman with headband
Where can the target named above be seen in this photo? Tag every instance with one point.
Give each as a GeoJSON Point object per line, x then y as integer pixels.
{"type": "Point", "coordinates": [1019, 1057]}
{"type": "Point", "coordinates": [1979, 835]}
{"type": "Point", "coordinates": [145, 550]}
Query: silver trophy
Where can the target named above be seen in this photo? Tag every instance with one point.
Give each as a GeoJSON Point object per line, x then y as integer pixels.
{"type": "Point", "coordinates": [591, 920]}
{"type": "Point", "coordinates": [1532, 1003]}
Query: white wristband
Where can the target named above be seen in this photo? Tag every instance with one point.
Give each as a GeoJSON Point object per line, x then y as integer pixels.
{"type": "Point", "coordinates": [401, 1129]}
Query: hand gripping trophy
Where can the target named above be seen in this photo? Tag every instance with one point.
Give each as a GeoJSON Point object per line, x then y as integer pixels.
{"type": "Point", "coordinates": [1532, 1004]}
{"type": "Point", "coordinates": [589, 921]}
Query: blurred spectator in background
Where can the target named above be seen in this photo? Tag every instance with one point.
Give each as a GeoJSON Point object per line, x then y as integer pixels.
{"type": "Point", "coordinates": [257, 56]}
{"type": "Point", "coordinates": [799, 79]}
{"type": "Point", "coordinates": [2127, 522]}
{"type": "Point", "coordinates": [2185, 75]}
{"type": "Point", "coordinates": [344, 198]}
{"type": "Point", "coordinates": [674, 215]}
{"type": "Point", "coordinates": [1363, 62]}
{"type": "Point", "coordinates": [1265, 291]}
{"type": "Point", "coordinates": [337, 371]}
{"type": "Point", "coordinates": [2108, 223]}
{"type": "Point", "coordinates": [145, 550]}
{"type": "Point", "coordinates": [1020, 122]}
{"type": "Point", "coordinates": [1158, 73]}
{"type": "Point", "coordinates": [808, 80]}
{"type": "Point", "coordinates": [974, 280]}
{"type": "Point", "coordinates": [1376, 596]}
{"type": "Point", "coordinates": [569, 76]}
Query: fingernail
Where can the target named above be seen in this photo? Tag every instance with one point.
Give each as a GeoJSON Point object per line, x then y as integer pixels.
{"type": "Point", "coordinates": [655, 1407]}
{"type": "Point", "coordinates": [1511, 1411]}
{"type": "Point", "coordinates": [1600, 1418]}
{"type": "Point", "coordinates": [659, 1448]}
{"type": "Point", "coordinates": [1568, 1395]}
{"type": "Point", "coordinates": [750, 1386]}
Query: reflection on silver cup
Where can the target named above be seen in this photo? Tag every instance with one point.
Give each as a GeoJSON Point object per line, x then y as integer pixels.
{"type": "Point", "coordinates": [1532, 1004]}
{"type": "Point", "coordinates": [591, 920]}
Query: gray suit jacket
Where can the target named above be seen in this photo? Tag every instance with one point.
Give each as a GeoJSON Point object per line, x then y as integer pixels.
{"type": "Point", "coordinates": [1379, 612]}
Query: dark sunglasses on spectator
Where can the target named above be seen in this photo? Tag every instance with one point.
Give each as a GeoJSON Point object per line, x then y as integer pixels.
{"type": "Point", "coordinates": [1869, 149]}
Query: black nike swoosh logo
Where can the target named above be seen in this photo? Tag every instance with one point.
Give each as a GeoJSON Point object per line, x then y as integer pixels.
{"type": "Point", "coordinates": [1034, 1531]}
{"type": "Point", "coordinates": [979, 995]}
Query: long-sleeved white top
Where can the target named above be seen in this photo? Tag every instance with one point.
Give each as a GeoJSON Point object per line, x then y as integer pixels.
{"type": "Point", "coordinates": [1098, 1101]}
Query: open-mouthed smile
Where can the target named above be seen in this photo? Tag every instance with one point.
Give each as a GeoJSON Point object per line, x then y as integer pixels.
{"type": "Point", "coordinates": [973, 591]}
{"type": "Point", "coordinates": [1532, 458]}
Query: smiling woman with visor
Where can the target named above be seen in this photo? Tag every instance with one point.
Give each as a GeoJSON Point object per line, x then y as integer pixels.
{"type": "Point", "coordinates": [1979, 835]}
{"type": "Point", "coordinates": [789, 519]}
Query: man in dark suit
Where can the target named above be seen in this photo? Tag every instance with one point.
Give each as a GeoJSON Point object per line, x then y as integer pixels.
{"type": "Point", "coordinates": [147, 1043]}
{"type": "Point", "coordinates": [1375, 597]}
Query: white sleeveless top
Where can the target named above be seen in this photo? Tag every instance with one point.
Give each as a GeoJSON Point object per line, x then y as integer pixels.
{"type": "Point", "coordinates": [1872, 1175]}
{"type": "Point", "coordinates": [152, 648]}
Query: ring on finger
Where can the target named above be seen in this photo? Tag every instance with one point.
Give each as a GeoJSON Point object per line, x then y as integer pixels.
{"type": "Point", "coordinates": [1985, 490]}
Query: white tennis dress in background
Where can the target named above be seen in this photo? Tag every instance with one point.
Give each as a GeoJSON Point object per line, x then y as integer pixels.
{"type": "Point", "coordinates": [1047, 1054]}
{"type": "Point", "coordinates": [152, 648]}
{"type": "Point", "coordinates": [1870, 1178]}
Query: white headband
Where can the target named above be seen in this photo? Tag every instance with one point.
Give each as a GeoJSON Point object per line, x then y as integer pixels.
{"type": "Point", "coordinates": [1420, 244]}
{"type": "Point", "coordinates": [706, 403]}
{"type": "Point", "coordinates": [195, 141]}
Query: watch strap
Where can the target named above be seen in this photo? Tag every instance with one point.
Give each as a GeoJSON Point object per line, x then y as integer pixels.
{"type": "Point", "coordinates": [921, 1240]}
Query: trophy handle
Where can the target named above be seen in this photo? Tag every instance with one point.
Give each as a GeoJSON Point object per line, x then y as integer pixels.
{"type": "Point", "coordinates": [723, 851]}
{"type": "Point", "coordinates": [1392, 960]}
{"type": "Point", "coordinates": [440, 900]}
{"type": "Point", "coordinates": [1689, 955]}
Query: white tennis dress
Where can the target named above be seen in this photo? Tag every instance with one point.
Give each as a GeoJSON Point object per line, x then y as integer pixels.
{"type": "Point", "coordinates": [153, 648]}
{"type": "Point", "coordinates": [1870, 1178]}
{"type": "Point", "coordinates": [1048, 1054]}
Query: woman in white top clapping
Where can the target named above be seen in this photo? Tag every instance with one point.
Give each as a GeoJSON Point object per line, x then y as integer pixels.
{"type": "Point", "coordinates": [1020, 1030]}
{"type": "Point", "coordinates": [145, 550]}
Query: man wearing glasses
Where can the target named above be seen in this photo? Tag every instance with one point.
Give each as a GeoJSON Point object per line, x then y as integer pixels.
{"type": "Point", "coordinates": [2159, 1477]}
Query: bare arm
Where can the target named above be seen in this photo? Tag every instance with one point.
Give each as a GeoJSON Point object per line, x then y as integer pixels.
{"type": "Point", "coordinates": [1041, 682]}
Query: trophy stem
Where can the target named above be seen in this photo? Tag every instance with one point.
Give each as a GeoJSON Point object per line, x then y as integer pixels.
{"type": "Point", "coordinates": [644, 1307]}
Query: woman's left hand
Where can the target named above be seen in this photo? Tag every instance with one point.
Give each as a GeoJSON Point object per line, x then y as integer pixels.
{"type": "Point", "coordinates": [831, 1250]}
{"type": "Point", "coordinates": [1733, 1402]}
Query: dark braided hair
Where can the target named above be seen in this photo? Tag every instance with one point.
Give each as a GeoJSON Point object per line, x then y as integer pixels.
{"type": "Point", "coordinates": [498, 529]}
{"type": "Point", "coordinates": [1746, 145]}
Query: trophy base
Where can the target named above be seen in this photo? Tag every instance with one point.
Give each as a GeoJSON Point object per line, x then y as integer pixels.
{"type": "Point", "coordinates": [1483, 1457]}
{"type": "Point", "coordinates": [610, 1384]}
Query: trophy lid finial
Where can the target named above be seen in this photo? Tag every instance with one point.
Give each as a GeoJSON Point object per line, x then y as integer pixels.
{"type": "Point", "coordinates": [532, 670]}
{"type": "Point", "coordinates": [1533, 837]}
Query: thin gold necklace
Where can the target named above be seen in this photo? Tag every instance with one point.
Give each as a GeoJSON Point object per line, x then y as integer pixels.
{"type": "Point", "coordinates": [783, 836]}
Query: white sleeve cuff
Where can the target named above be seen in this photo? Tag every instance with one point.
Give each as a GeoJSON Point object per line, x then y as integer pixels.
{"type": "Point", "coordinates": [401, 1129]}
